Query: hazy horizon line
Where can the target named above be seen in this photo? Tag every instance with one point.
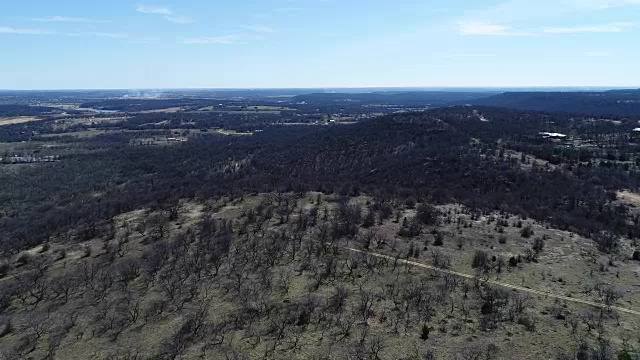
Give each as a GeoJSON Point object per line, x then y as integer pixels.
{"type": "Point", "coordinates": [488, 87]}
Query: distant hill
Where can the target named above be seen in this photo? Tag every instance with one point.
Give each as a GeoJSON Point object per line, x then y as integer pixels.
{"type": "Point", "coordinates": [24, 110]}
{"type": "Point", "coordinates": [404, 98]}
{"type": "Point", "coordinates": [608, 103]}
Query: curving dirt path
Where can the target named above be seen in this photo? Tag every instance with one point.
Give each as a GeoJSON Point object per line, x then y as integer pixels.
{"type": "Point", "coordinates": [498, 283]}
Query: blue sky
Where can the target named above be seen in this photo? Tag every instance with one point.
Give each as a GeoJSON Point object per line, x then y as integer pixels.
{"type": "Point", "coordinates": [50, 44]}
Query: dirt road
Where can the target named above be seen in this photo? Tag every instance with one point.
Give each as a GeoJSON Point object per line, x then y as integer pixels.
{"type": "Point", "coordinates": [498, 283]}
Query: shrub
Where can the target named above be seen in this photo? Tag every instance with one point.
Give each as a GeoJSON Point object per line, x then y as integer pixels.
{"type": "Point", "coordinates": [440, 259]}
{"type": "Point", "coordinates": [636, 255]}
{"type": "Point", "coordinates": [513, 261]}
{"type": "Point", "coordinates": [385, 211]}
{"type": "Point", "coordinates": [528, 322]}
{"type": "Point", "coordinates": [410, 229]}
{"type": "Point", "coordinates": [414, 251]}
{"type": "Point", "coordinates": [480, 259]}
{"type": "Point", "coordinates": [625, 355]}
{"type": "Point", "coordinates": [607, 242]}
{"type": "Point", "coordinates": [427, 214]}
{"type": "Point", "coordinates": [369, 220]}
{"type": "Point", "coordinates": [526, 232]}
{"type": "Point", "coordinates": [439, 238]}
{"type": "Point", "coordinates": [424, 334]}
{"type": "Point", "coordinates": [502, 239]}
{"type": "Point", "coordinates": [538, 245]}
{"type": "Point", "coordinates": [410, 202]}
{"type": "Point", "coordinates": [4, 269]}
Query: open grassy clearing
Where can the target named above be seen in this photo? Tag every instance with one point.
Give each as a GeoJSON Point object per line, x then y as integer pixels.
{"type": "Point", "coordinates": [65, 106]}
{"type": "Point", "coordinates": [561, 268]}
{"type": "Point", "coordinates": [247, 109]}
{"type": "Point", "coordinates": [231, 132]}
{"type": "Point", "coordinates": [93, 132]}
{"type": "Point", "coordinates": [18, 120]}
{"type": "Point", "coordinates": [629, 197]}
{"type": "Point", "coordinates": [270, 108]}
{"type": "Point", "coordinates": [166, 110]}
{"type": "Point", "coordinates": [88, 133]}
{"type": "Point", "coordinates": [65, 123]}
{"type": "Point", "coordinates": [247, 112]}
{"type": "Point", "coordinates": [545, 294]}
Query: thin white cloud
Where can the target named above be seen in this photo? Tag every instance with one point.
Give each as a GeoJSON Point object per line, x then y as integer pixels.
{"type": "Point", "coordinates": [603, 28]}
{"type": "Point", "coordinates": [258, 28]}
{"type": "Point", "coordinates": [67, 19]}
{"type": "Point", "coordinates": [179, 19]}
{"type": "Point", "coordinates": [518, 11]}
{"type": "Point", "coordinates": [111, 35]}
{"type": "Point", "coordinates": [481, 28]}
{"type": "Point", "coordinates": [469, 55]}
{"type": "Point", "coordinates": [224, 40]}
{"type": "Point", "coordinates": [229, 39]}
{"type": "Point", "coordinates": [487, 29]}
{"type": "Point", "coordinates": [169, 15]}
{"type": "Point", "coordinates": [282, 11]}
{"type": "Point", "coordinates": [158, 10]}
{"type": "Point", "coordinates": [604, 4]}
{"type": "Point", "coordinates": [129, 38]}
{"type": "Point", "coordinates": [142, 41]}
{"type": "Point", "coordinates": [597, 54]}
{"type": "Point", "coordinates": [287, 10]}
{"type": "Point", "coordinates": [23, 31]}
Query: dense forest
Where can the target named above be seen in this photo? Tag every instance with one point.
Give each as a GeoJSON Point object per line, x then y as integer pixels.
{"type": "Point", "coordinates": [608, 103]}
{"type": "Point", "coordinates": [24, 110]}
{"type": "Point", "coordinates": [446, 155]}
